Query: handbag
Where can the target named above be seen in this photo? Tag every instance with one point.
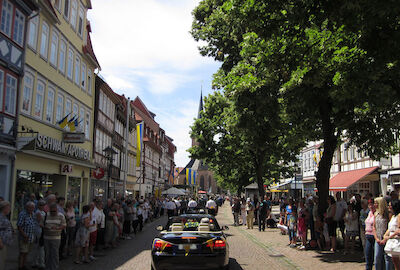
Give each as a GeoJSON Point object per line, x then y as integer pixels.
{"type": "Point", "coordinates": [393, 246]}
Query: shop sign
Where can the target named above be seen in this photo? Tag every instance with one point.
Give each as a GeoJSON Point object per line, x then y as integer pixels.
{"type": "Point", "coordinates": [50, 144]}
{"type": "Point", "coordinates": [98, 173]}
{"type": "Point", "coordinates": [66, 169]}
{"type": "Point", "coordinates": [73, 137]}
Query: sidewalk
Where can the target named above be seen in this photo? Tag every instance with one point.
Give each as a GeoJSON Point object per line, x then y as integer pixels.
{"type": "Point", "coordinates": [276, 245]}
{"type": "Point", "coordinates": [67, 264]}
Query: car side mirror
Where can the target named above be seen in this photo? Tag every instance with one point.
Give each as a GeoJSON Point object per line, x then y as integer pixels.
{"type": "Point", "coordinates": [225, 228]}
{"type": "Point", "coordinates": [159, 228]}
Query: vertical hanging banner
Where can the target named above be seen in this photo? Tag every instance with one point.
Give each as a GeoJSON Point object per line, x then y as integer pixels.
{"type": "Point", "coordinates": [193, 177]}
{"type": "Point", "coordinates": [139, 140]}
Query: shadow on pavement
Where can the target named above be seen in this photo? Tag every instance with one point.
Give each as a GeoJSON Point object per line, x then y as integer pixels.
{"type": "Point", "coordinates": [234, 265]}
{"type": "Point", "coordinates": [330, 257]}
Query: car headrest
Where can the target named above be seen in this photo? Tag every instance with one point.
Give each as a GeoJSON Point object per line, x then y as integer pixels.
{"type": "Point", "coordinates": [176, 227]}
{"type": "Point", "coordinates": [203, 227]}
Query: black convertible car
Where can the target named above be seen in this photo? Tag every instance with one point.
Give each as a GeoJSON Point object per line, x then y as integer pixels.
{"type": "Point", "coordinates": [190, 241]}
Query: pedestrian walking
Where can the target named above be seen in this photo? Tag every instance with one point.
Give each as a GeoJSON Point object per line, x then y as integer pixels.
{"type": "Point", "coordinates": [243, 211]}
{"type": "Point", "coordinates": [236, 211]}
{"type": "Point", "coordinates": [54, 224]}
{"type": "Point", "coordinates": [5, 232]}
{"type": "Point", "coordinates": [249, 214]}
{"type": "Point", "coordinates": [263, 213]}
{"type": "Point", "coordinates": [27, 225]}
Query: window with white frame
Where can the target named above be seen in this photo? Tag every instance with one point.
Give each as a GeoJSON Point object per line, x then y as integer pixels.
{"type": "Point", "coordinates": [60, 107]}
{"type": "Point", "coordinates": [77, 70]}
{"type": "Point", "coordinates": [27, 93]}
{"type": "Point", "coordinates": [54, 48]}
{"type": "Point", "coordinates": [10, 99]}
{"type": "Point", "coordinates": [70, 63]}
{"type": "Point", "coordinates": [57, 4]}
{"type": "Point", "coordinates": [6, 17]}
{"type": "Point", "coordinates": [39, 99]}
{"type": "Point", "coordinates": [89, 81]}
{"type": "Point", "coordinates": [80, 21]}
{"type": "Point", "coordinates": [44, 40]}
{"type": "Point", "coordinates": [50, 105]}
{"type": "Point", "coordinates": [87, 125]}
{"type": "Point", "coordinates": [74, 10]}
{"type": "Point", "coordinates": [66, 9]}
{"type": "Point", "coordinates": [81, 120]}
{"type": "Point", "coordinates": [75, 110]}
{"type": "Point", "coordinates": [19, 25]}
{"type": "Point", "coordinates": [33, 32]}
{"type": "Point", "coordinates": [68, 107]}
{"type": "Point", "coordinates": [83, 76]}
{"type": "Point", "coordinates": [61, 56]}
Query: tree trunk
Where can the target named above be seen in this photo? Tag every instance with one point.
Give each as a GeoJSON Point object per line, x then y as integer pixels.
{"type": "Point", "coordinates": [260, 180]}
{"type": "Point", "coordinates": [325, 164]}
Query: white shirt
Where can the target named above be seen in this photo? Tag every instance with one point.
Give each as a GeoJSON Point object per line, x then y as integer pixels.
{"type": "Point", "coordinates": [341, 206]}
{"type": "Point", "coordinates": [102, 218]}
{"type": "Point", "coordinates": [170, 205]}
{"type": "Point", "coordinates": [192, 204]}
{"type": "Point", "coordinates": [95, 218]}
{"type": "Point", "coordinates": [211, 204]}
{"type": "Point", "coordinates": [178, 204]}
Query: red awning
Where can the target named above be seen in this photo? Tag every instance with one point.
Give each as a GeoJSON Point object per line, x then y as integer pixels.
{"type": "Point", "coordinates": [343, 180]}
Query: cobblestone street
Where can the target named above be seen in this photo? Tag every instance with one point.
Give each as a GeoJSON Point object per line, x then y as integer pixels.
{"type": "Point", "coordinates": [249, 249]}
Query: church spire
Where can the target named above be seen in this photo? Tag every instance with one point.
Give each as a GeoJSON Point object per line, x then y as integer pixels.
{"type": "Point", "coordinates": [201, 103]}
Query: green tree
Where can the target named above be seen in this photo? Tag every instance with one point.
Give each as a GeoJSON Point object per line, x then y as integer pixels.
{"type": "Point", "coordinates": [336, 80]}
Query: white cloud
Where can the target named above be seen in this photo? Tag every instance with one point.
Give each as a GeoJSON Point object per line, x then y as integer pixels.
{"type": "Point", "coordinates": [177, 124]}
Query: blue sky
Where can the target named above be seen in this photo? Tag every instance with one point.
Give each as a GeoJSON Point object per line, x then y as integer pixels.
{"type": "Point", "coordinates": [145, 49]}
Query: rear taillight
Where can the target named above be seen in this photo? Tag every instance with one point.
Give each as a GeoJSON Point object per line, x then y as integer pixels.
{"type": "Point", "coordinates": [217, 244]}
{"type": "Point", "coordinates": [160, 245]}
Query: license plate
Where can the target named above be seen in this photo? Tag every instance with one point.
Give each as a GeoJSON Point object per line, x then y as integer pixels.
{"type": "Point", "coordinates": [192, 246]}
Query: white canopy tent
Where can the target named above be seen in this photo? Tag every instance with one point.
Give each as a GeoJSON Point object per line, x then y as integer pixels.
{"type": "Point", "coordinates": [173, 192]}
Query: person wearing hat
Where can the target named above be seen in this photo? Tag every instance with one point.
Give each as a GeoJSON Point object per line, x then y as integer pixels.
{"type": "Point", "coordinates": [5, 232]}
{"type": "Point", "coordinates": [250, 213]}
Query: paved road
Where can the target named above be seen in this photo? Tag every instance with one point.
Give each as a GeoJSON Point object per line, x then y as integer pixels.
{"type": "Point", "coordinates": [135, 254]}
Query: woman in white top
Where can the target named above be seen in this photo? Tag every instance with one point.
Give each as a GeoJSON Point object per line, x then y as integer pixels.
{"type": "Point", "coordinates": [393, 231]}
{"type": "Point", "coordinates": [351, 224]}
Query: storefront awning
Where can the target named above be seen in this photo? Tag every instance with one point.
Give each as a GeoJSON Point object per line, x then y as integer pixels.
{"type": "Point", "coordinates": [343, 180]}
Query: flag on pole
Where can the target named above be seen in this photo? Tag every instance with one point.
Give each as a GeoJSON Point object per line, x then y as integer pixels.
{"type": "Point", "coordinates": [194, 177]}
{"type": "Point", "coordinates": [71, 124]}
{"type": "Point", "coordinates": [139, 139]}
{"type": "Point", "coordinates": [63, 122]}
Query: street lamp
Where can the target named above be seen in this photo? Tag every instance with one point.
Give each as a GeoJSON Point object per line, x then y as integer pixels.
{"type": "Point", "coordinates": [109, 153]}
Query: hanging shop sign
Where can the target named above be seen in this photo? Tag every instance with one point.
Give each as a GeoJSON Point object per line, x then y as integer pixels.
{"type": "Point", "coordinates": [53, 145]}
{"type": "Point", "coordinates": [98, 173]}
{"type": "Point", "coordinates": [66, 169]}
{"type": "Point", "coordinates": [73, 137]}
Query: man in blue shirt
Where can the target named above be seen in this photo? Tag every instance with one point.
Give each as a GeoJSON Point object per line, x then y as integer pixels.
{"type": "Point", "coordinates": [27, 225]}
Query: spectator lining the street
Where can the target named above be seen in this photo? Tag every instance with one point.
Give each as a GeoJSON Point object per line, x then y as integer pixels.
{"type": "Point", "coordinates": [249, 214]}
{"type": "Point", "coordinates": [351, 225]}
{"type": "Point", "coordinates": [369, 236]}
{"type": "Point", "coordinates": [39, 255]}
{"type": "Point", "coordinates": [26, 227]}
{"type": "Point", "coordinates": [71, 227]}
{"type": "Point", "coordinates": [54, 224]}
{"type": "Point", "coordinates": [392, 247]}
{"type": "Point", "coordinates": [82, 237]}
{"type": "Point", "coordinates": [5, 232]}
{"type": "Point", "coordinates": [382, 260]}
{"type": "Point", "coordinates": [331, 222]}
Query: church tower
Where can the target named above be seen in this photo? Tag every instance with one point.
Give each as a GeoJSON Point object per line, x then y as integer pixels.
{"type": "Point", "coordinates": [198, 115]}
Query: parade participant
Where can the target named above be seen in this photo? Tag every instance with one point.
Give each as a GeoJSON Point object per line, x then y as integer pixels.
{"type": "Point", "coordinates": [5, 232]}
{"type": "Point", "coordinates": [27, 227]}
{"type": "Point", "coordinates": [211, 206]}
{"type": "Point", "coordinates": [54, 224]}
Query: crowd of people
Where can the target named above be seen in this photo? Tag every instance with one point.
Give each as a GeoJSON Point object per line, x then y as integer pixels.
{"type": "Point", "coordinates": [367, 223]}
{"type": "Point", "coordinates": [50, 229]}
